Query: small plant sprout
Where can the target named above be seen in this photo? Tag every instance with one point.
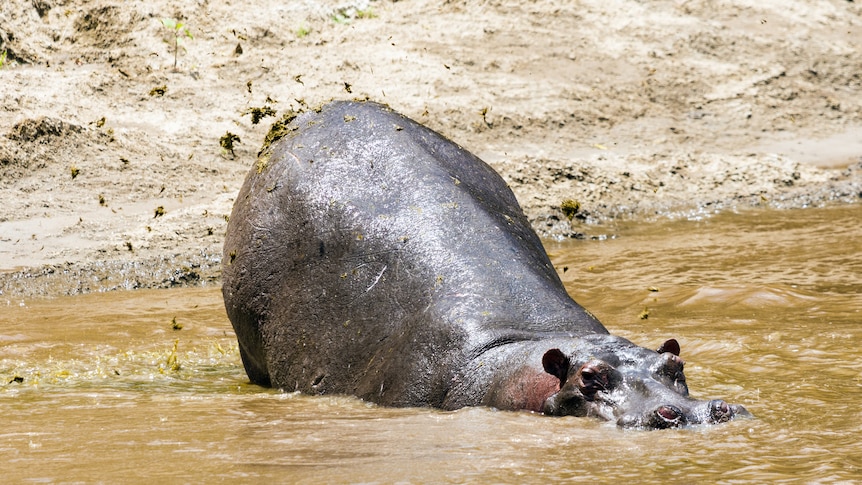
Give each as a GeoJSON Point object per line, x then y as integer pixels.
{"type": "Point", "coordinates": [303, 31]}
{"type": "Point", "coordinates": [340, 17]}
{"type": "Point", "coordinates": [3, 59]}
{"type": "Point", "coordinates": [345, 15]}
{"type": "Point", "coordinates": [179, 30]}
{"type": "Point", "coordinates": [365, 14]}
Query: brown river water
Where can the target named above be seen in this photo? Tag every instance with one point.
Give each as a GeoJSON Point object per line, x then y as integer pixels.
{"type": "Point", "coordinates": [767, 307]}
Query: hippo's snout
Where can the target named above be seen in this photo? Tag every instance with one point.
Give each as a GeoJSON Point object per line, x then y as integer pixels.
{"type": "Point", "coordinates": [672, 416]}
{"type": "Point", "coordinates": [663, 417]}
{"type": "Point", "coordinates": [719, 411]}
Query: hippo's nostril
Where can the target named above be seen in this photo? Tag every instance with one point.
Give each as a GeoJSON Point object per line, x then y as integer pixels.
{"type": "Point", "coordinates": [719, 411]}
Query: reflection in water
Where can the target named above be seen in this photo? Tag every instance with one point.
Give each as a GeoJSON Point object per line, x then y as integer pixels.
{"type": "Point", "coordinates": [766, 306]}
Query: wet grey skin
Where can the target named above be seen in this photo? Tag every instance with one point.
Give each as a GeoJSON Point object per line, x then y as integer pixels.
{"type": "Point", "coordinates": [369, 255]}
{"type": "Point", "coordinates": [615, 380]}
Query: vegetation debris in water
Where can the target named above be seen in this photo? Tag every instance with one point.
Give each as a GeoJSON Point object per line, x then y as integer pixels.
{"type": "Point", "coordinates": [172, 363]}
{"type": "Point", "coordinates": [644, 314]}
{"type": "Point", "coordinates": [160, 211]}
{"type": "Point", "coordinates": [175, 324]}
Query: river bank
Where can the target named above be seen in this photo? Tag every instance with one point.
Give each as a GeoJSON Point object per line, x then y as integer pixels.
{"type": "Point", "coordinates": [112, 174]}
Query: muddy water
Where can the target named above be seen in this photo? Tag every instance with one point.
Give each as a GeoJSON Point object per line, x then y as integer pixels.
{"type": "Point", "coordinates": [766, 305]}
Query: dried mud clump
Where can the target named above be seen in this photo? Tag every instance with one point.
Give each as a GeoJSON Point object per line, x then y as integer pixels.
{"type": "Point", "coordinates": [31, 130]}
{"type": "Point", "coordinates": [107, 26]}
{"type": "Point", "coordinates": [14, 52]}
{"type": "Point", "coordinates": [30, 142]}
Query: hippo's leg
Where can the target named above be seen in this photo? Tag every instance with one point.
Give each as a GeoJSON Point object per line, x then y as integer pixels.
{"type": "Point", "coordinates": [256, 374]}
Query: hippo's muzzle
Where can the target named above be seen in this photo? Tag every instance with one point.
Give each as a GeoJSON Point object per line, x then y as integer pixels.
{"type": "Point", "coordinates": [672, 416]}
{"type": "Point", "coordinates": [639, 390]}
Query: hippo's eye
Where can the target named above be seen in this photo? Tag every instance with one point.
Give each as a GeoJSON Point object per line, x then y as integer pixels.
{"type": "Point", "coordinates": [595, 376]}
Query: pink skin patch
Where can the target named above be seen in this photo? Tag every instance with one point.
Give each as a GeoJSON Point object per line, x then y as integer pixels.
{"type": "Point", "coordinates": [527, 389]}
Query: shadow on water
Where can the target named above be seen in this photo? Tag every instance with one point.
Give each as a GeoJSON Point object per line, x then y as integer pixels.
{"type": "Point", "coordinates": [765, 304]}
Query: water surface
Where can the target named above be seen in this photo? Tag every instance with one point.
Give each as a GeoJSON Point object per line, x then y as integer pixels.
{"type": "Point", "coordinates": [766, 306]}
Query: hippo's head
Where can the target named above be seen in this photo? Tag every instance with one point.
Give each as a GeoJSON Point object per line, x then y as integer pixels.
{"type": "Point", "coordinates": [616, 380]}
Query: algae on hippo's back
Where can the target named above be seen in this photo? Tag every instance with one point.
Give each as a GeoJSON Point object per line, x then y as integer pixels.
{"type": "Point", "coordinates": [262, 162]}
{"type": "Point", "coordinates": [423, 247]}
{"type": "Point", "coordinates": [279, 129]}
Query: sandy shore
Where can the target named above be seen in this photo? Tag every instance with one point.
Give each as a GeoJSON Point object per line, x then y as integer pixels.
{"type": "Point", "coordinates": [112, 174]}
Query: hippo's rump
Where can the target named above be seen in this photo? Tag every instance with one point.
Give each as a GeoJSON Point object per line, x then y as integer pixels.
{"type": "Point", "coordinates": [368, 255]}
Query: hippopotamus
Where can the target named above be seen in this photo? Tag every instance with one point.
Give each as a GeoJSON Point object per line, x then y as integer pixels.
{"type": "Point", "coordinates": [368, 255]}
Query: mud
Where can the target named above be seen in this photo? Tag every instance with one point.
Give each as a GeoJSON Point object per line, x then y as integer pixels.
{"type": "Point", "coordinates": [112, 173]}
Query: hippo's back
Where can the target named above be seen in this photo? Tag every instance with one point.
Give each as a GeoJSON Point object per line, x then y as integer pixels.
{"type": "Point", "coordinates": [366, 254]}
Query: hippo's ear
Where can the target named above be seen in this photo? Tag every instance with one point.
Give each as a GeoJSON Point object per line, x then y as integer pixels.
{"type": "Point", "coordinates": [557, 364]}
{"type": "Point", "coordinates": [670, 345]}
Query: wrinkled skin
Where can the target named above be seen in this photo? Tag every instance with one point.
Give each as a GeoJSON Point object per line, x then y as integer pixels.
{"type": "Point", "coordinates": [368, 255]}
